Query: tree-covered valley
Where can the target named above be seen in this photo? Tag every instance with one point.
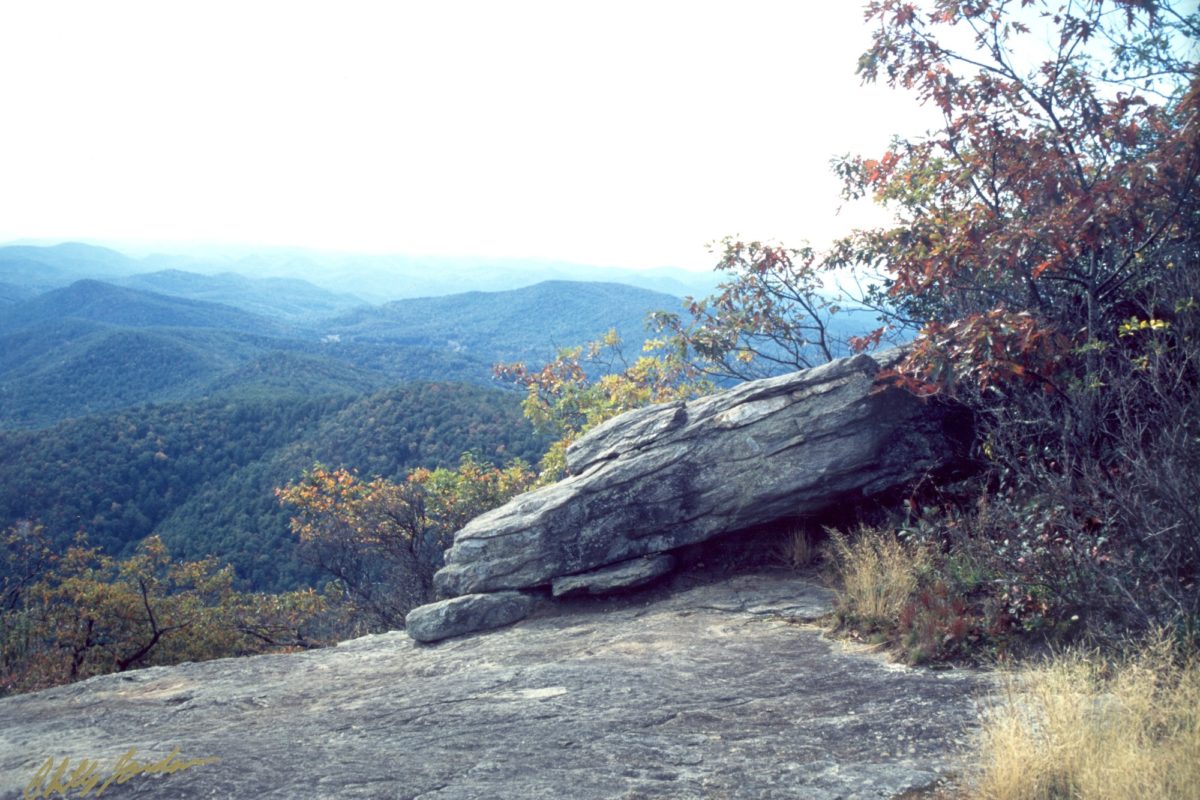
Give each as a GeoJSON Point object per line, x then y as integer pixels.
{"type": "Point", "coordinates": [174, 403]}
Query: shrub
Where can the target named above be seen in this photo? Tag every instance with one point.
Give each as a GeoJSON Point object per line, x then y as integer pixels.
{"type": "Point", "coordinates": [382, 541]}
{"type": "Point", "coordinates": [85, 613]}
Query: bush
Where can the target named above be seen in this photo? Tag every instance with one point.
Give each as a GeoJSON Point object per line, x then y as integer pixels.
{"type": "Point", "coordinates": [85, 613]}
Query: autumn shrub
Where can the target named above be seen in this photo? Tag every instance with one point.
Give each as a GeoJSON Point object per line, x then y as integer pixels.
{"type": "Point", "coordinates": [1090, 522]}
{"type": "Point", "coordinates": [1080, 726]}
{"type": "Point", "coordinates": [85, 613]}
{"type": "Point", "coordinates": [1045, 242]}
{"type": "Point", "coordinates": [797, 548]}
{"type": "Point", "coordinates": [587, 385]}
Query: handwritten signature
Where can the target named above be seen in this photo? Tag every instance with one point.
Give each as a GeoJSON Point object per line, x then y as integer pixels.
{"type": "Point", "coordinates": [58, 777]}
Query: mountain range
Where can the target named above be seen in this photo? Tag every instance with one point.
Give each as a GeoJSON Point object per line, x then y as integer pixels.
{"type": "Point", "coordinates": [98, 345]}
{"type": "Point", "coordinates": [173, 403]}
{"type": "Point", "coordinates": [284, 278]}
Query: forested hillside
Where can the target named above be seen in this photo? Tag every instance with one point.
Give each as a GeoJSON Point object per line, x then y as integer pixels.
{"type": "Point", "coordinates": [522, 324]}
{"type": "Point", "coordinates": [203, 474]}
{"type": "Point", "coordinates": [97, 301]}
{"type": "Point", "coordinates": [286, 298]}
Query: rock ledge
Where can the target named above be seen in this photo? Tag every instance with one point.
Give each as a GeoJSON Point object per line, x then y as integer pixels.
{"type": "Point", "coordinates": [690, 690]}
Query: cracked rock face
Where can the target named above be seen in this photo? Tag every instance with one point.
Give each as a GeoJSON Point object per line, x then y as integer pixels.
{"type": "Point", "coordinates": [615, 577]}
{"type": "Point", "coordinates": [703, 688]}
{"type": "Point", "coordinates": [671, 475]}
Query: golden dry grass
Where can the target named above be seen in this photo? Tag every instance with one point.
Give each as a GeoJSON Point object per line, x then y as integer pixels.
{"type": "Point", "coordinates": [878, 574]}
{"type": "Point", "coordinates": [796, 549]}
{"type": "Point", "coordinates": [1075, 728]}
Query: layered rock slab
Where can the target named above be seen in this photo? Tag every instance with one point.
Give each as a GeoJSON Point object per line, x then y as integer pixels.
{"type": "Point", "coordinates": [615, 577]}
{"type": "Point", "coordinates": [473, 612]}
{"type": "Point", "coordinates": [707, 690]}
{"type": "Point", "coordinates": [666, 476]}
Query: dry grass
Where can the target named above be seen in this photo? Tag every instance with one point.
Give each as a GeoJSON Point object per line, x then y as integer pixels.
{"type": "Point", "coordinates": [877, 572]}
{"type": "Point", "coordinates": [1075, 728]}
{"type": "Point", "coordinates": [797, 549]}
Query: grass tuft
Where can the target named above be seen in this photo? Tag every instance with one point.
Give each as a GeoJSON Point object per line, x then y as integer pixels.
{"type": "Point", "coordinates": [1078, 727]}
{"type": "Point", "coordinates": [879, 574]}
{"type": "Point", "coordinates": [797, 549]}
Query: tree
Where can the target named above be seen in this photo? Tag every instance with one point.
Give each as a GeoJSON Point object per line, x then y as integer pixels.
{"type": "Point", "coordinates": [1046, 239]}
{"type": "Point", "coordinates": [563, 400]}
{"type": "Point", "coordinates": [1058, 198]}
{"type": "Point", "coordinates": [771, 315]}
{"type": "Point", "coordinates": [382, 541]}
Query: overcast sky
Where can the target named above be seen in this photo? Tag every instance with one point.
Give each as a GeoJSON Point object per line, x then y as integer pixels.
{"type": "Point", "coordinates": [623, 133]}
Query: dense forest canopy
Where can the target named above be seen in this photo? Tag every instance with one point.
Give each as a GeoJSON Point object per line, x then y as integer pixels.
{"type": "Point", "coordinates": [202, 474]}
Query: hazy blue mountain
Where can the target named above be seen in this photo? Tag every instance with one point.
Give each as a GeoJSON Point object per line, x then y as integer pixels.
{"type": "Point", "coordinates": [289, 298]}
{"type": "Point", "coordinates": [374, 278]}
{"type": "Point", "coordinates": [382, 278]}
{"type": "Point", "coordinates": [520, 324]}
{"type": "Point", "coordinates": [279, 373]}
{"type": "Point", "coordinates": [58, 371]}
{"type": "Point", "coordinates": [42, 341]}
{"type": "Point", "coordinates": [92, 347]}
{"type": "Point", "coordinates": [42, 268]}
{"type": "Point", "coordinates": [10, 294]}
{"type": "Point", "coordinates": [96, 301]}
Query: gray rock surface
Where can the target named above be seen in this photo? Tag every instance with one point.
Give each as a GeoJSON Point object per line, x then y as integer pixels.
{"type": "Point", "coordinates": [698, 689]}
{"type": "Point", "coordinates": [616, 577]}
{"type": "Point", "coordinates": [670, 475]}
{"type": "Point", "coordinates": [466, 614]}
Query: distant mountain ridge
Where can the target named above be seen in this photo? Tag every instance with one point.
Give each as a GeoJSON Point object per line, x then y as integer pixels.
{"type": "Point", "coordinates": [97, 301]}
{"type": "Point", "coordinates": [93, 346]}
{"type": "Point", "coordinates": [316, 277]}
{"type": "Point", "coordinates": [519, 324]}
{"type": "Point", "coordinates": [286, 298]}
{"type": "Point", "coordinates": [43, 268]}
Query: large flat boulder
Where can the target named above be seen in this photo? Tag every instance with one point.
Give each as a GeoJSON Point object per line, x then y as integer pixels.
{"type": "Point", "coordinates": [666, 476]}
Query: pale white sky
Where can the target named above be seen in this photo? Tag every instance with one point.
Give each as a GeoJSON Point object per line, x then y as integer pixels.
{"type": "Point", "coordinates": [623, 133]}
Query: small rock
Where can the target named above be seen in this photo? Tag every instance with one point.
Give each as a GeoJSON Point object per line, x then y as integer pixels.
{"type": "Point", "coordinates": [466, 614]}
{"type": "Point", "coordinates": [624, 575]}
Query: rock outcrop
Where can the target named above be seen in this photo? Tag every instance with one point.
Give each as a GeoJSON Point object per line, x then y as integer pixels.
{"type": "Point", "coordinates": [697, 688]}
{"type": "Point", "coordinates": [671, 475]}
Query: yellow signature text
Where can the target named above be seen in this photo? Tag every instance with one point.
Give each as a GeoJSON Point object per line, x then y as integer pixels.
{"type": "Point", "coordinates": [58, 777]}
